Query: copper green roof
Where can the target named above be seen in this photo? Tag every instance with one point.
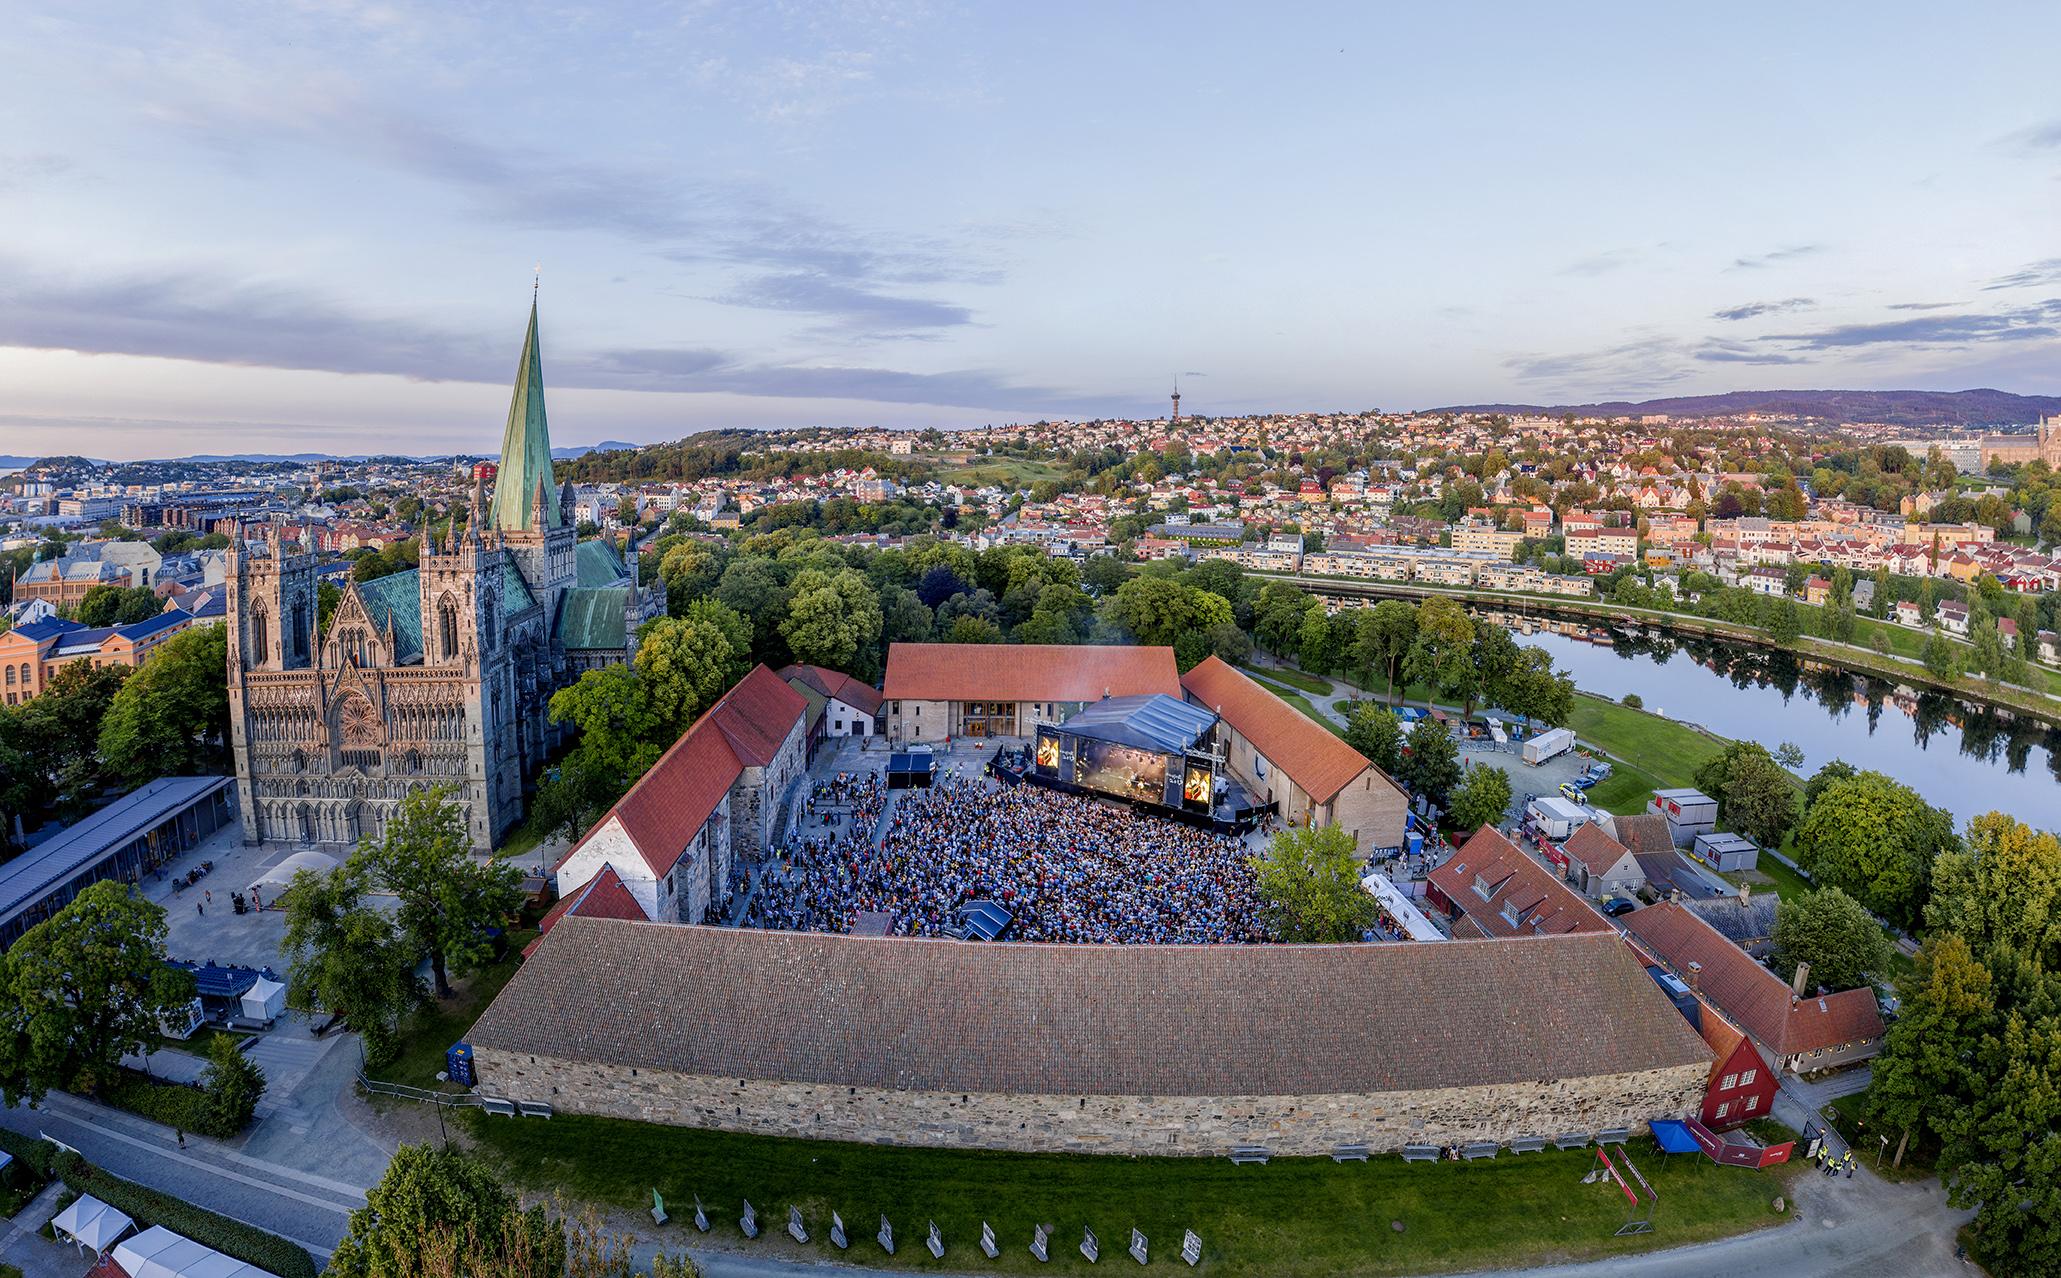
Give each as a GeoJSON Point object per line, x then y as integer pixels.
{"type": "Point", "coordinates": [591, 617]}
{"type": "Point", "coordinates": [526, 447]}
{"type": "Point", "coordinates": [598, 563]}
{"type": "Point", "coordinates": [515, 592]}
{"type": "Point", "coordinates": [397, 596]}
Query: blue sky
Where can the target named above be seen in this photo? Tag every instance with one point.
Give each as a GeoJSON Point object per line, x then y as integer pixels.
{"type": "Point", "coordinates": [312, 226]}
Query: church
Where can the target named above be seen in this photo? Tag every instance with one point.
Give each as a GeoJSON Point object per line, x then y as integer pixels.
{"type": "Point", "coordinates": [440, 675]}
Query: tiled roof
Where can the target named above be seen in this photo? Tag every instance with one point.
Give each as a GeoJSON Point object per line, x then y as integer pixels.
{"type": "Point", "coordinates": [1594, 849]}
{"type": "Point", "coordinates": [669, 803]}
{"type": "Point", "coordinates": [1749, 993]}
{"type": "Point", "coordinates": [1312, 756]}
{"type": "Point", "coordinates": [1518, 887]}
{"type": "Point", "coordinates": [601, 897]}
{"type": "Point", "coordinates": [860, 696]}
{"type": "Point", "coordinates": [1645, 832]}
{"type": "Point", "coordinates": [1086, 1020]}
{"type": "Point", "coordinates": [1026, 672]}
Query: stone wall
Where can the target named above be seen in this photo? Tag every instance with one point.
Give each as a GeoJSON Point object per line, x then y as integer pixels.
{"type": "Point", "coordinates": [1096, 1124]}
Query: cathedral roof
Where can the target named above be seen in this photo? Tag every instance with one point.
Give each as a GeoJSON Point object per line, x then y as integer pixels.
{"type": "Point", "coordinates": [598, 564]}
{"type": "Point", "coordinates": [397, 598]}
{"type": "Point", "coordinates": [592, 617]}
{"type": "Point", "coordinates": [526, 448]}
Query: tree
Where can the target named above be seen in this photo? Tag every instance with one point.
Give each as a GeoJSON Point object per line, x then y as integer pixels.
{"type": "Point", "coordinates": [449, 902]}
{"type": "Point", "coordinates": [1928, 1065]}
{"type": "Point", "coordinates": [1789, 755]}
{"type": "Point", "coordinates": [1383, 636]}
{"type": "Point", "coordinates": [1531, 687]}
{"type": "Point", "coordinates": [1633, 701]}
{"type": "Point", "coordinates": [345, 957]}
{"type": "Point", "coordinates": [1311, 885]}
{"type": "Point", "coordinates": [2000, 889]}
{"type": "Point", "coordinates": [1431, 767]}
{"type": "Point", "coordinates": [1877, 840]}
{"type": "Point", "coordinates": [232, 1083]}
{"type": "Point", "coordinates": [972, 629]}
{"type": "Point", "coordinates": [84, 988]}
{"type": "Point", "coordinates": [1831, 931]}
{"type": "Point", "coordinates": [1442, 656]}
{"type": "Point", "coordinates": [1822, 779]}
{"type": "Point", "coordinates": [1942, 657]}
{"type": "Point", "coordinates": [619, 729]}
{"type": "Point", "coordinates": [1159, 610]}
{"type": "Point", "coordinates": [1482, 799]}
{"type": "Point", "coordinates": [432, 1196]}
{"type": "Point", "coordinates": [60, 729]}
{"type": "Point", "coordinates": [118, 605]}
{"type": "Point", "coordinates": [1375, 732]}
{"type": "Point", "coordinates": [1783, 621]}
{"type": "Point", "coordinates": [1313, 646]}
{"type": "Point", "coordinates": [1754, 795]}
{"type": "Point", "coordinates": [833, 619]}
{"type": "Point", "coordinates": [685, 664]}
{"type": "Point", "coordinates": [171, 717]}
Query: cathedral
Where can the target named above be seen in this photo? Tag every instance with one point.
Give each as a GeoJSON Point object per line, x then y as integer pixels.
{"type": "Point", "coordinates": [440, 675]}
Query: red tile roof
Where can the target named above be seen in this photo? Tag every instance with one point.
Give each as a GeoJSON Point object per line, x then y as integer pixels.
{"type": "Point", "coordinates": [601, 897]}
{"type": "Point", "coordinates": [837, 685]}
{"type": "Point", "coordinates": [669, 803]}
{"type": "Point", "coordinates": [1026, 672]}
{"type": "Point", "coordinates": [1595, 849]}
{"type": "Point", "coordinates": [1534, 895]}
{"type": "Point", "coordinates": [1312, 756]}
{"type": "Point", "coordinates": [1749, 993]}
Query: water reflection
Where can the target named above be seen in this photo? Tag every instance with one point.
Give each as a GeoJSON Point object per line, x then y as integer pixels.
{"type": "Point", "coordinates": [1966, 758]}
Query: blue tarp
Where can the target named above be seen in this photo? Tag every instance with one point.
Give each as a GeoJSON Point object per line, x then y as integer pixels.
{"type": "Point", "coordinates": [1674, 1136]}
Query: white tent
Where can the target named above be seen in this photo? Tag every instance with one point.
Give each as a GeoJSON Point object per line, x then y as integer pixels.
{"type": "Point", "coordinates": [275, 880]}
{"type": "Point", "coordinates": [91, 1223]}
{"type": "Point", "coordinates": [264, 1001]}
{"type": "Point", "coordinates": [157, 1252]}
{"type": "Point", "coordinates": [1415, 923]}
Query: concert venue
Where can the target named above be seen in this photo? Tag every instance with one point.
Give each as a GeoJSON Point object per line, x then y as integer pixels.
{"type": "Point", "coordinates": [1154, 751]}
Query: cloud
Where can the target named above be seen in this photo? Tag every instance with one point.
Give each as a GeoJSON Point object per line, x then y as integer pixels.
{"type": "Point", "coordinates": [1642, 363]}
{"type": "Point", "coordinates": [1723, 354]}
{"type": "Point", "coordinates": [2038, 137]}
{"type": "Point", "coordinates": [2020, 324]}
{"type": "Point", "coordinates": [1777, 256]}
{"type": "Point", "coordinates": [1921, 306]}
{"type": "Point", "coordinates": [1602, 263]}
{"type": "Point", "coordinates": [2035, 275]}
{"type": "Point", "coordinates": [1753, 309]}
{"type": "Point", "coordinates": [820, 295]}
{"type": "Point", "coordinates": [198, 316]}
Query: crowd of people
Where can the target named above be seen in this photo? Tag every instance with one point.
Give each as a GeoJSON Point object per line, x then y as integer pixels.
{"type": "Point", "coordinates": [1066, 867]}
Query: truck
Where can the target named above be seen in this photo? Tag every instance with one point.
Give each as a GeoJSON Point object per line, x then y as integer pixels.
{"type": "Point", "coordinates": [1547, 744]}
{"type": "Point", "coordinates": [1555, 817]}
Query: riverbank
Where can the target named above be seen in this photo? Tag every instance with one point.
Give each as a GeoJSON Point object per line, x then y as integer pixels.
{"type": "Point", "coordinates": [2040, 703]}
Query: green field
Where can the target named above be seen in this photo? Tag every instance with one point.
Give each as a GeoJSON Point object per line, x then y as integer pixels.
{"type": "Point", "coordinates": [1293, 677]}
{"type": "Point", "coordinates": [1292, 1217]}
{"type": "Point", "coordinates": [1003, 472]}
{"type": "Point", "coordinates": [1667, 753]}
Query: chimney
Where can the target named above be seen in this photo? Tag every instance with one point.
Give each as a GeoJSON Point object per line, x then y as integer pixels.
{"type": "Point", "coordinates": [1695, 974]}
{"type": "Point", "coordinates": [1745, 893]}
{"type": "Point", "coordinates": [1800, 982]}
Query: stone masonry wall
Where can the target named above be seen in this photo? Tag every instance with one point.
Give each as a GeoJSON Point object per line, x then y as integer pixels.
{"type": "Point", "coordinates": [1096, 1124]}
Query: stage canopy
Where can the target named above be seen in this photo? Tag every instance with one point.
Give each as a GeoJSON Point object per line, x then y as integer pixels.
{"type": "Point", "coordinates": [1415, 924]}
{"type": "Point", "coordinates": [1160, 723]}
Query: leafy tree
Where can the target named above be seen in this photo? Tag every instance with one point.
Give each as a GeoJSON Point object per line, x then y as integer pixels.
{"type": "Point", "coordinates": [905, 619]}
{"type": "Point", "coordinates": [232, 1084]}
{"type": "Point", "coordinates": [1754, 795]}
{"type": "Point", "coordinates": [1375, 732]}
{"type": "Point", "coordinates": [1942, 657]}
{"type": "Point", "coordinates": [1158, 610]}
{"type": "Point", "coordinates": [834, 619]}
{"type": "Point", "coordinates": [972, 629]}
{"type": "Point", "coordinates": [1482, 799]}
{"type": "Point", "coordinates": [1831, 931]}
{"type": "Point", "coordinates": [1383, 637]}
{"type": "Point", "coordinates": [619, 728]}
{"type": "Point", "coordinates": [449, 902]}
{"type": "Point", "coordinates": [1314, 649]}
{"type": "Point", "coordinates": [1783, 621]}
{"type": "Point", "coordinates": [1431, 768]}
{"type": "Point", "coordinates": [1442, 655]}
{"type": "Point", "coordinates": [1531, 687]}
{"type": "Point", "coordinates": [684, 665]}
{"type": "Point", "coordinates": [1822, 779]}
{"type": "Point", "coordinates": [60, 728]}
{"type": "Point", "coordinates": [109, 605]}
{"type": "Point", "coordinates": [346, 957]}
{"type": "Point", "coordinates": [754, 588]}
{"type": "Point", "coordinates": [1877, 840]}
{"type": "Point", "coordinates": [1633, 701]}
{"type": "Point", "coordinates": [171, 717]}
{"type": "Point", "coordinates": [1277, 617]}
{"type": "Point", "coordinates": [84, 988]}
{"type": "Point", "coordinates": [1789, 755]}
{"type": "Point", "coordinates": [2000, 889]}
{"type": "Point", "coordinates": [431, 1194]}
{"type": "Point", "coordinates": [1311, 885]}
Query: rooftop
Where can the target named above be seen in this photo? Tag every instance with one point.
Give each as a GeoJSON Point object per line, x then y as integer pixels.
{"type": "Point", "coordinates": [1312, 756]}
{"type": "Point", "coordinates": [68, 853]}
{"type": "Point", "coordinates": [1026, 672]}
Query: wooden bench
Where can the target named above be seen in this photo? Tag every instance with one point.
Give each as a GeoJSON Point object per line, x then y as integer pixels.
{"type": "Point", "coordinates": [1614, 1136]}
{"type": "Point", "coordinates": [533, 1109]}
{"type": "Point", "coordinates": [1349, 1154]}
{"type": "Point", "coordinates": [1251, 1154]}
{"type": "Point", "coordinates": [1479, 1149]}
{"type": "Point", "coordinates": [1572, 1140]}
{"type": "Point", "coordinates": [1421, 1153]}
{"type": "Point", "coordinates": [1528, 1145]}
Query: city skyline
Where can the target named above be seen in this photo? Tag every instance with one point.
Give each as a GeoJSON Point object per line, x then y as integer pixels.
{"type": "Point", "coordinates": [313, 230]}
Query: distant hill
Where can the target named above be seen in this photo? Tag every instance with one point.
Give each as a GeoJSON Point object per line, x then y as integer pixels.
{"type": "Point", "coordinates": [14, 463]}
{"type": "Point", "coordinates": [1898, 407]}
{"type": "Point", "coordinates": [581, 450]}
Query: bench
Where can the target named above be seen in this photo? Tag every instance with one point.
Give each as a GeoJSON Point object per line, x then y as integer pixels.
{"type": "Point", "coordinates": [1479, 1149]}
{"type": "Point", "coordinates": [1251, 1154]}
{"type": "Point", "coordinates": [1528, 1145]}
{"type": "Point", "coordinates": [1572, 1140]}
{"type": "Point", "coordinates": [1613, 1136]}
{"type": "Point", "coordinates": [1349, 1154]}
{"type": "Point", "coordinates": [1420, 1153]}
{"type": "Point", "coordinates": [533, 1109]}
{"type": "Point", "coordinates": [493, 1105]}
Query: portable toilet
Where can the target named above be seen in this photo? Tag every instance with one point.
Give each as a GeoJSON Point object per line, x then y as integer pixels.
{"type": "Point", "coordinates": [458, 1064]}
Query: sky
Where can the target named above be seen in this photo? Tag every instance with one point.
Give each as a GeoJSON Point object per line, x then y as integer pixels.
{"type": "Point", "coordinates": [299, 225]}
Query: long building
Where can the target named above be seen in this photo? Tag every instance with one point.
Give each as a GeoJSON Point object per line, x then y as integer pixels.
{"type": "Point", "coordinates": [1295, 764]}
{"type": "Point", "coordinates": [1090, 1048]}
{"type": "Point", "coordinates": [939, 690]}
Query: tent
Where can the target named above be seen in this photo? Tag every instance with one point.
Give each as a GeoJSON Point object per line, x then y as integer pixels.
{"type": "Point", "coordinates": [157, 1252]}
{"type": "Point", "coordinates": [275, 880]}
{"type": "Point", "coordinates": [1674, 1136]}
{"type": "Point", "coordinates": [91, 1223]}
{"type": "Point", "coordinates": [265, 1000]}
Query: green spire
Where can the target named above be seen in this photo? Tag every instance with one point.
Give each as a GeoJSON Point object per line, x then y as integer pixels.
{"type": "Point", "coordinates": [526, 447]}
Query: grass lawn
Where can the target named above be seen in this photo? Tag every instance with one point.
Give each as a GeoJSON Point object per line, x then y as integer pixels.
{"type": "Point", "coordinates": [443, 1022]}
{"type": "Point", "coordinates": [1301, 1216]}
{"type": "Point", "coordinates": [203, 1038]}
{"type": "Point", "coordinates": [1003, 472]}
{"type": "Point", "coordinates": [1292, 677]}
{"type": "Point", "coordinates": [1300, 702]}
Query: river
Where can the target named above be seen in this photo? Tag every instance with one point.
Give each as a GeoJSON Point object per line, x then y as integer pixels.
{"type": "Point", "coordinates": [1966, 759]}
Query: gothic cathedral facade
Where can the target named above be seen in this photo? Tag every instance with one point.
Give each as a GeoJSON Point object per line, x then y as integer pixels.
{"type": "Point", "coordinates": [440, 675]}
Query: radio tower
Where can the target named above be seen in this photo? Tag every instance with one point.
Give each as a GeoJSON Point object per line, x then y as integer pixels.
{"type": "Point", "coordinates": [1177, 403]}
